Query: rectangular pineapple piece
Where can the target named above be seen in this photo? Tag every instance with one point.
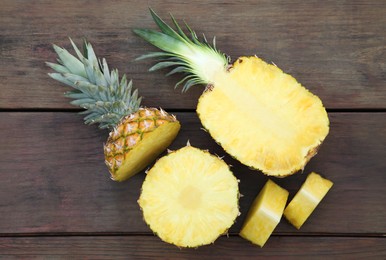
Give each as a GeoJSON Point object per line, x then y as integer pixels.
{"type": "Point", "coordinates": [265, 213]}
{"type": "Point", "coordinates": [306, 199]}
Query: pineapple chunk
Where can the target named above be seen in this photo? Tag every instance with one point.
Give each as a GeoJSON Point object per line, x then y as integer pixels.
{"type": "Point", "coordinates": [306, 199]}
{"type": "Point", "coordinates": [189, 198]}
{"type": "Point", "coordinates": [265, 214]}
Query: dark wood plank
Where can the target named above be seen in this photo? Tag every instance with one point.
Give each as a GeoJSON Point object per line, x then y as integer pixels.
{"type": "Point", "coordinates": [149, 247]}
{"type": "Point", "coordinates": [54, 178]}
{"type": "Point", "coordinates": [335, 48]}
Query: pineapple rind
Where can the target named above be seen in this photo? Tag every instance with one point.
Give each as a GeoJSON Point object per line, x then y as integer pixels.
{"type": "Point", "coordinates": [307, 199]}
{"type": "Point", "coordinates": [189, 198]}
{"type": "Point", "coordinates": [137, 140]}
{"type": "Point", "coordinates": [146, 150]}
{"type": "Point", "coordinates": [264, 117]}
{"type": "Point", "coordinates": [264, 214]}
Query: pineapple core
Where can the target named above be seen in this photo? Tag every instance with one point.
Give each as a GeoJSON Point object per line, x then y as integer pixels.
{"type": "Point", "coordinates": [189, 198]}
{"type": "Point", "coordinates": [306, 199]}
{"type": "Point", "coordinates": [265, 214]}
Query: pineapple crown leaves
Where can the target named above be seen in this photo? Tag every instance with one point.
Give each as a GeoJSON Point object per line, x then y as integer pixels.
{"type": "Point", "coordinates": [106, 98]}
{"type": "Point", "coordinates": [187, 55]}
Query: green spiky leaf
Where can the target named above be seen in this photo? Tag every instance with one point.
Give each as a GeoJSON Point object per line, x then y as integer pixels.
{"type": "Point", "coordinates": [197, 58]}
{"type": "Point", "coordinates": [105, 97]}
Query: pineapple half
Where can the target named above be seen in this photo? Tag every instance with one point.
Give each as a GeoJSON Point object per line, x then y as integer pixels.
{"type": "Point", "coordinates": [257, 113]}
{"type": "Point", "coordinates": [138, 135]}
{"type": "Point", "coordinates": [189, 197]}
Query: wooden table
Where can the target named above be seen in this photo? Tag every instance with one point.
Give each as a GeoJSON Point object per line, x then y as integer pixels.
{"type": "Point", "coordinates": [56, 198]}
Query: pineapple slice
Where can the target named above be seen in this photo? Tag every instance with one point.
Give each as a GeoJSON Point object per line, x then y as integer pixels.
{"type": "Point", "coordinates": [264, 214]}
{"type": "Point", "coordinates": [189, 198]}
{"type": "Point", "coordinates": [306, 199]}
{"type": "Point", "coordinates": [257, 113]}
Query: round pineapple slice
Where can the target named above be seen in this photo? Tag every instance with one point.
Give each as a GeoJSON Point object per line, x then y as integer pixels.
{"type": "Point", "coordinates": [189, 198]}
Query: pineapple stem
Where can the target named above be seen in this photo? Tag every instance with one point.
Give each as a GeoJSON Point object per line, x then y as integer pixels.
{"type": "Point", "coordinates": [191, 56]}
{"type": "Point", "coordinates": [105, 97]}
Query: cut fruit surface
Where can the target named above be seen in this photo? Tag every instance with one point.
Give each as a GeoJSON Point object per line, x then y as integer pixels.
{"type": "Point", "coordinates": [189, 198]}
{"type": "Point", "coordinates": [264, 214]}
{"type": "Point", "coordinates": [144, 151]}
{"type": "Point", "coordinates": [264, 117]}
{"type": "Point", "coordinates": [306, 199]}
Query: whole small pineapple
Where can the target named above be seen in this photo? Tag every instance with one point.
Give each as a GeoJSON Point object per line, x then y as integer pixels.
{"type": "Point", "coordinates": [138, 135]}
{"type": "Point", "coordinates": [258, 114]}
{"type": "Point", "coordinates": [189, 197]}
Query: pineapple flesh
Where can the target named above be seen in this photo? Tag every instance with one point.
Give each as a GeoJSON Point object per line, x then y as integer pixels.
{"type": "Point", "coordinates": [307, 199]}
{"type": "Point", "coordinates": [276, 127]}
{"type": "Point", "coordinates": [189, 197]}
{"type": "Point", "coordinates": [137, 135]}
{"type": "Point", "coordinates": [264, 214]}
{"type": "Point", "coordinates": [137, 140]}
{"type": "Point", "coordinates": [258, 114]}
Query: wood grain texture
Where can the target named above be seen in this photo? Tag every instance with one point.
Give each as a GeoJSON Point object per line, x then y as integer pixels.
{"type": "Point", "coordinates": [149, 247]}
{"type": "Point", "coordinates": [57, 200]}
{"type": "Point", "coordinates": [334, 48]}
{"type": "Point", "coordinates": [54, 178]}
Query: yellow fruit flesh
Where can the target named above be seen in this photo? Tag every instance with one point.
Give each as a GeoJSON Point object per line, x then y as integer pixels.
{"type": "Point", "coordinates": [147, 150]}
{"type": "Point", "coordinates": [264, 117]}
{"type": "Point", "coordinates": [264, 214]}
{"type": "Point", "coordinates": [306, 199]}
{"type": "Point", "coordinates": [189, 198]}
{"type": "Point", "coordinates": [137, 140]}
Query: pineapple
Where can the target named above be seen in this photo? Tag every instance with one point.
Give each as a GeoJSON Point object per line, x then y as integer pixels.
{"type": "Point", "coordinates": [137, 135]}
{"type": "Point", "coordinates": [306, 199]}
{"type": "Point", "coordinates": [264, 214]}
{"type": "Point", "coordinates": [257, 113]}
{"type": "Point", "coordinates": [189, 197]}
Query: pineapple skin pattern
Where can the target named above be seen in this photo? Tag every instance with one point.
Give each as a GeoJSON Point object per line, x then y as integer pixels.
{"type": "Point", "coordinates": [140, 127]}
{"type": "Point", "coordinates": [261, 116]}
